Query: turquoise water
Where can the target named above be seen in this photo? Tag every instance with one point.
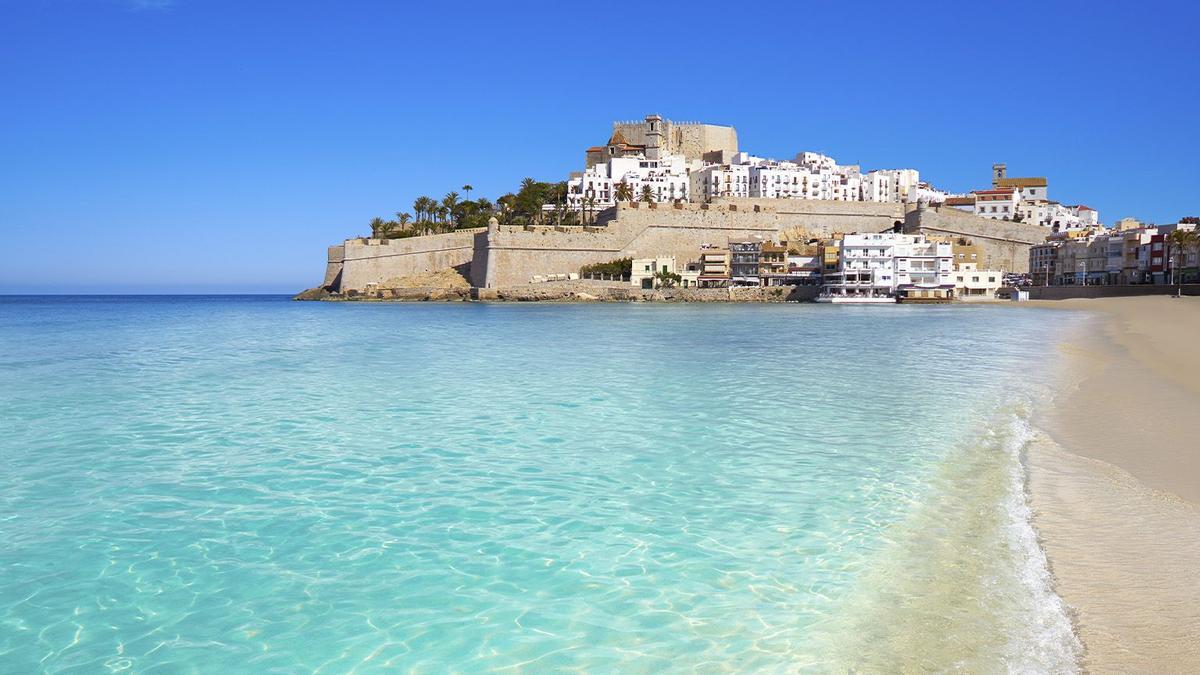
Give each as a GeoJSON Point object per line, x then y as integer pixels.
{"type": "Point", "coordinates": [252, 484]}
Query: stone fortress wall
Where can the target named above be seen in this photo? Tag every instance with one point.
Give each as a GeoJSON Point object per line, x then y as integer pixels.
{"type": "Point", "coordinates": [1005, 244]}
{"type": "Point", "coordinates": [501, 257]}
{"type": "Point", "coordinates": [365, 261]}
{"type": "Point", "coordinates": [508, 256]}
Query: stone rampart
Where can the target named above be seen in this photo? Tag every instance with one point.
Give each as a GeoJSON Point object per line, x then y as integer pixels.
{"type": "Point", "coordinates": [1005, 244]}
{"type": "Point", "coordinates": [365, 261]}
{"type": "Point", "coordinates": [510, 256]}
{"type": "Point", "coordinates": [333, 267]}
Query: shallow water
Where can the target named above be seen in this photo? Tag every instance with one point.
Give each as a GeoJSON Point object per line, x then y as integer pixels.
{"type": "Point", "coordinates": [252, 483]}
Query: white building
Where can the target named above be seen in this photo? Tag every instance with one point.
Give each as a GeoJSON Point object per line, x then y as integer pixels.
{"type": "Point", "coordinates": [973, 283]}
{"type": "Point", "coordinates": [890, 185]}
{"type": "Point", "coordinates": [624, 168]}
{"type": "Point", "coordinates": [642, 273]}
{"type": "Point", "coordinates": [721, 180]}
{"type": "Point", "coordinates": [885, 263]}
{"type": "Point", "coordinates": [998, 204]}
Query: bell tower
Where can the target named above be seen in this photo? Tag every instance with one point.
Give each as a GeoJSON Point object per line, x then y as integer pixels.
{"type": "Point", "coordinates": [654, 137]}
{"type": "Point", "coordinates": [999, 173]}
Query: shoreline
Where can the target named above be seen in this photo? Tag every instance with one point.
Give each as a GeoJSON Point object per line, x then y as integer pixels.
{"type": "Point", "coordinates": [1114, 482]}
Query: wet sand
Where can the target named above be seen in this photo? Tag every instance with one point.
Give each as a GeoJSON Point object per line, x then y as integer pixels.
{"type": "Point", "coordinates": [1115, 483]}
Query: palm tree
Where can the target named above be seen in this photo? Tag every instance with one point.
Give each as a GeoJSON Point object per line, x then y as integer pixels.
{"type": "Point", "coordinates": [623, 193]}
{"type": "Point", "coordinates": [386, 229]}
{"type": "Point", "coordinates": [377, 225]}
{"type": "Point", "coordinates": [450, 202]}
{"type": "Point", "coordinates": [419, 208]}
{"type": "Point", "coordinates": [1180, 241]}
{"type": "Point", "coordinates": [403, 219]}
{"type": "Point", "coordinates": [589, 204]}
{"type": "Point", "coordinates": [647, 194]}
{"type": "Point", "coordinates": [467, 189]}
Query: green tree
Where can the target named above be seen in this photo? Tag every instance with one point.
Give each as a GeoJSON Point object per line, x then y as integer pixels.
{"type": "Point", "coordinates": [420, 204]}
{"type": "Point", "coordinates": [450, 203]}
{"type": "Point", "coordinates": [621, 267]}
{"type": "Point", "coordinates": [664, 279]}
{"type": "Point", "coordinates": [377, 225]}
{"type": "Point", "coordinates": [647, 194]}
{"type": "Point", "coordinates": [506, 208]}
{"type": "Point", "coordinates": [589, 208]}
{"type": "Point", "coordinates": [467, 189]}
{"type": "Point", "coordinates": [1181, 241]}
{"type": "Point", "coordinates": [623, 192]}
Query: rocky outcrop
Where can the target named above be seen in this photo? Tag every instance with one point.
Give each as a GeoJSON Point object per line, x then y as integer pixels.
{"type": "Point", "coordinates": [570, 293]}
{"type": "Point", "coordinates": [315, 294]}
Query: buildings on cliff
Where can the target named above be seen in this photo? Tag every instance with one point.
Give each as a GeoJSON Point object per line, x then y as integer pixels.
{"type": "Point", "coordinates": [1024, 200]}
{"type": "Point", "coordinates": [660, 161]}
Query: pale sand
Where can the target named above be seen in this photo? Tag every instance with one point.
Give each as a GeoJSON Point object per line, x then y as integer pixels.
{"type": "Point", "coordinates": [1115, 484]}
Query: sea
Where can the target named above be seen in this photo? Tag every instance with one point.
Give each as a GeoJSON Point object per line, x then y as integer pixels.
{"type": "Point", "coordinates": [202, 484]}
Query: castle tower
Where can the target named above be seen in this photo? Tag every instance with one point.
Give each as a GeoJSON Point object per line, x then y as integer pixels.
{"type": "Point", "coordinates": [999, 173]}
{"type": "Point", "coordinates": [654, 137]}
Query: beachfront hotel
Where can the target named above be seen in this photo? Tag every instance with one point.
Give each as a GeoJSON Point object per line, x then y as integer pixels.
{"type": "Point", "coordinates": [890, 264]}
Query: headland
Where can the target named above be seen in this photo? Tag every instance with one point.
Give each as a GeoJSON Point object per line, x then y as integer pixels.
{"type": "Point", "coordinates": [664, 205]}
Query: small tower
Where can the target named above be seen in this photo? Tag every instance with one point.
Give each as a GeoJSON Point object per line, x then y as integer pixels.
{"type": "Point", "coordinates": [999, 173]}
{"type": "Point", "coordinates": [654, 134]}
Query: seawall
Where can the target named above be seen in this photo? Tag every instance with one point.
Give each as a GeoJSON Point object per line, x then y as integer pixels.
{"type": "Point", "coordinates": [576, 291]}
{"type": "Point", "coordinates": [1070, 292]}
{"type": "Point", "coordinates": [366, 261]}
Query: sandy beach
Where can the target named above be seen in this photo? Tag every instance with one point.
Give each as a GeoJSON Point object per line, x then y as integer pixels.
{"type": "Point", "coordinates": [1115, 483]}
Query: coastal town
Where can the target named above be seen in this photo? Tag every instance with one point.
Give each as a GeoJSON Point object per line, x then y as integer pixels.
{"type": "Point", "coordinates": [677, 205]}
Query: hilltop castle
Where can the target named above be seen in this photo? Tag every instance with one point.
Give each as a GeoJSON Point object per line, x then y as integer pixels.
{"type": "Point", "coordinates": [655, 136]}
{"type": "Point", "coordinates": [664, 188]}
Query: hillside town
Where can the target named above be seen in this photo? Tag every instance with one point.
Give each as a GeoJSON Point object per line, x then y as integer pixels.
{"type": "Point", "coordinates": [1078, 250]}
{"type": "Point", "coordinates": [679, 205]}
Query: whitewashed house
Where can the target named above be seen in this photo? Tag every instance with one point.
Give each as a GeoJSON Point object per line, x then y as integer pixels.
{"type": "Point", "coordinates": [884, 264]}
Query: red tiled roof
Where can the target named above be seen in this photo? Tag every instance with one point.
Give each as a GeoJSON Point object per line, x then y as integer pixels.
{"type": "Point", "coordinates": [1032, 181]}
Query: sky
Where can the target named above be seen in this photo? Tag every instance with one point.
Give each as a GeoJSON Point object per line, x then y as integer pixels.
{"type": "Point", "coordinates": [207, 146]}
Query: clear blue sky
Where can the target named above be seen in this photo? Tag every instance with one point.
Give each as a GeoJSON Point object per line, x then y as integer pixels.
{"type": "Point", "coordinates": [209, 145]}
